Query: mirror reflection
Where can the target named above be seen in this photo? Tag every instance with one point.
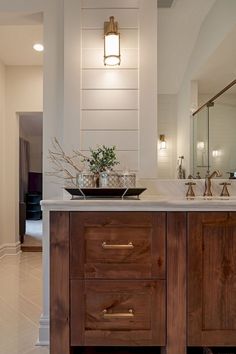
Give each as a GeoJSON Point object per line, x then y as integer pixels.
{"type": "Point", "coordinates": [214, 127]}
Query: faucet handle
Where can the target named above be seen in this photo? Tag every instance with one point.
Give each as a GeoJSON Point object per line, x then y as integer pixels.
{"type": "Point", "coordinates": [225, 192]}
{"type": "Point", "coordinates": [198, 175]}
{"type": "Point", "coordinates": [190, 192]}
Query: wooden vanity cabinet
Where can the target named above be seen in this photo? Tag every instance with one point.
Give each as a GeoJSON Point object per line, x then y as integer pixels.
{"type": "Point", "coordinates": [108, 286]}
{"type": "Point", "coordinates": [117, 245]}
{"type": "Point", "coordinates": [117, 272]}
{"type": "Point", "coordinates": [211, 264]}
{"type": "Point", "coordinates": [117, 313]}
{"type": "Point", "coordinates": [142, 279]}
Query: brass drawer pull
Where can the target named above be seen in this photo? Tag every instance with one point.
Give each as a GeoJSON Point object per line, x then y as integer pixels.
{"type": "Point", "coordinates": [128, 314]}
{"type": "Point", "coordinates": [129, 246]}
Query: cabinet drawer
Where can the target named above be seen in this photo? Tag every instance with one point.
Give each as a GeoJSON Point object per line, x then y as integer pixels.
{"type": "Point", "coordinates": [123, 312]}
{"type": "Point", "coordinates": [117, 245]}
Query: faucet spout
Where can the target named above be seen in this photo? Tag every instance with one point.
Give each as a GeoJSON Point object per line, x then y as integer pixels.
{"type": "Point", "coordinates": [208, 192]}
{"type": "Point", "coordinates": [215, 173]}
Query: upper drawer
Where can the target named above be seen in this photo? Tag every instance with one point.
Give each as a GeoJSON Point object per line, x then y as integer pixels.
{"type": "Point", "coordinates": [117, 245]}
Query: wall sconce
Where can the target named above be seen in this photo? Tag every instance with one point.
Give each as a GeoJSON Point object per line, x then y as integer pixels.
{"type": "Point", "coordinates": [200, 145]}
{"type": "Point", "coordinates": [216, 153]}
{"type": "Point", "coordinates": [162, 142]}
{"type": "Point", "coordinates": [111, 43]}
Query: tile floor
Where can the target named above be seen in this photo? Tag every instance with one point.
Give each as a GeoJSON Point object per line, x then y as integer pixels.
{"type": "Point", "coordinates": [34, 228]}
{"type": "Point", "coordinates": [20, 303]}
{"type": "Point", "coordinates": [33, 235]}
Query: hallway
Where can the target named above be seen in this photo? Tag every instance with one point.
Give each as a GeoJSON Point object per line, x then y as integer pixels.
{"type": "Point", "coordinates": [33, 236]}
{"type": "Point", "coordinates": [20, 303]}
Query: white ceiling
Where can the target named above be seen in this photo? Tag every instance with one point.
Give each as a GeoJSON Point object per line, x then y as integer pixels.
{"type": "Point", "coordinates": [178, 28]}
{"type": "Point", "coordinates": [220, 69]}
{"type": "Point", "coordinates": [31, 123]}
{"type": "Point", "coordinates": [21, 18]}
{"type": "Point", "coordinates": [18, 33]}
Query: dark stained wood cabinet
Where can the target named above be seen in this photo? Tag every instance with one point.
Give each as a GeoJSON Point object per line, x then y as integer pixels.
{"type": "Point", "coordinates": [165, 279]}
{"type": "Point", "coordinates": [117, 313]}
{"type": "Point", "coordinates": [176, 283]}
{"type": "Point", "coordinates": [212, 279]}
{"type": "Point", "coordinates": [110, 253]}
{"type": "Point", "coordinates": [111, 290]}
{"type": "Point", "coordinates": [117, 245]}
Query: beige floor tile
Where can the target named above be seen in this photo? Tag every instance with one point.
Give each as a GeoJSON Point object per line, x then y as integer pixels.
{"type": "Point", "coordinates": [38, 350]}
{"type": "Point", "coordinates": [20, 304]}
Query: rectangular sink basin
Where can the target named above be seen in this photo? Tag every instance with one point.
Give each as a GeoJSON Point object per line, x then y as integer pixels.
{"type": "Point", "coordinates": [214, 197]}
{"type": "Point", "coordinates": [201, 201]}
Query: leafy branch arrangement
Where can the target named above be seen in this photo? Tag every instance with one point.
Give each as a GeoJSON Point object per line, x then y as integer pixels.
{"type": "Point", "coordinates": [66, 167]}
{"type": "Point", "coordinates": [102, 159]}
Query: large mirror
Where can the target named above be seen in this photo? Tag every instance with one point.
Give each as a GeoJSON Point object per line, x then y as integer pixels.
{"type": "Point", "coordinates": [214, 134]}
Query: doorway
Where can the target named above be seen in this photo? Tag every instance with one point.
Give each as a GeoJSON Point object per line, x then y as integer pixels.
{"type": "Point", "coordinates": [30, 180]}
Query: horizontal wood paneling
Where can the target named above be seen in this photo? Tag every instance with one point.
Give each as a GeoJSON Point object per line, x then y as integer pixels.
{"type": "Point", "coordinates": [93, 58]}
{"type": "Point", "coordinates": [109, 99]}
{"type": "Point", "coordinates": [126, 140]}
{"type": "Point", "coordinates": [110, 106]}
{"type": "Point", "coordinates": [96, 18]}
{"type": "Point", "coordinates": [94, 38]}
{"type": "Point", "coordinates": [95, 4]}
{"type": "Point", "coordinates": [129, 160]}
{"type": "Point", "coordinates": [109, 120]}
{"type": "Point", "coordinates": [110, 79]}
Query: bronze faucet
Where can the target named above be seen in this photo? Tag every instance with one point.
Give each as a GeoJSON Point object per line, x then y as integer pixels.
{"type": "Point", "coordinates": [190, 193]}
{"type": "Point", "coordinates": [225, 192]}
{"type": "Point", "coordinates": [208, 192]}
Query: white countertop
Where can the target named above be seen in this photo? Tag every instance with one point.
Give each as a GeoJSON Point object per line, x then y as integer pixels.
{"type": "Point", "coordinates": [161, 195]}
{"type": "Point", "coordinates": [147, 203]}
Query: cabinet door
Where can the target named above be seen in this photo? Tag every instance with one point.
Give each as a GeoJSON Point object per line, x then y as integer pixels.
{"type": "Point", "coordinates": [111, 245]}
{"type": "Point", "coordinates": [212, 279]}
{"type": "Point", "coordinates": [117, 312]}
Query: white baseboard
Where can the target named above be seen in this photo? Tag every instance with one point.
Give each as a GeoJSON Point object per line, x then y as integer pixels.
{"type": "Point", "coordinates": [43, 339]}
{"type": "Point", "coordinates": [9, 249]}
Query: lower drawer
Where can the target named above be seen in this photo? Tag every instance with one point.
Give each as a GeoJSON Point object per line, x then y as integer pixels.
{"type": "Point", "coordinates": [117, 312]}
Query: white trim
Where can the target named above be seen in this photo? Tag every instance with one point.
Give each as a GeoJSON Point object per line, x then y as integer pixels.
{"type": "Point", "coordinates": [10, 249]}
{"type": "Point", "coordinates": [148, 89]}
{"type": "Point", "coordinates": [43, 339]}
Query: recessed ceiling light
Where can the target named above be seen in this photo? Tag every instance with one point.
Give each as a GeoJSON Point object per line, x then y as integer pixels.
{"type": "Point", "coordinates": [38, 47]}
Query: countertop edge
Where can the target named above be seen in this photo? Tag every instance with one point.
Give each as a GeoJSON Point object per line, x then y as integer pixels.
{"type": "Point", "coordinates": [159, 204]}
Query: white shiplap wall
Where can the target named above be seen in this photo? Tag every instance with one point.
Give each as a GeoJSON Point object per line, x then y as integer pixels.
{"type": "Point", "coordinates": [110, 100]}
{"type": "Point", "coordinates": [118, 105]}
